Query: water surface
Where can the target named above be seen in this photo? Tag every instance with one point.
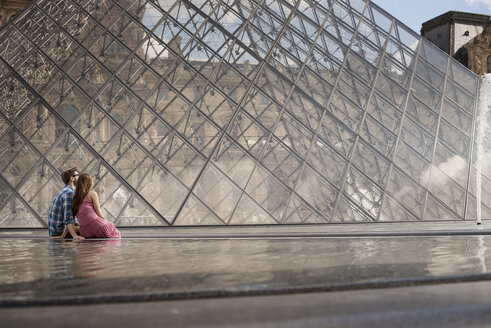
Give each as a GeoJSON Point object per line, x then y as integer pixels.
{"type": "Point", "coordinates": [33, 268]}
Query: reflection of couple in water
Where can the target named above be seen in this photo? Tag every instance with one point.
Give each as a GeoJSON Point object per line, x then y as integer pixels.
{"type": "Point", "coordinates": [77, 213]}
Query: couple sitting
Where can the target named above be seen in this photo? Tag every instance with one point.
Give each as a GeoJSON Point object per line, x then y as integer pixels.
{"type": "Point", "coordinates": [69, 208]}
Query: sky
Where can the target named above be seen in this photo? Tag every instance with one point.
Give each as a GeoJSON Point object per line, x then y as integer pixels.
{"type": "Point", "coordinates": [413, 13]}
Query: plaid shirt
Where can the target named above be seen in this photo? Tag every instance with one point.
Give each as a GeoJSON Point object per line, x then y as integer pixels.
{"type": "Point", "coordinates": [60, 211]}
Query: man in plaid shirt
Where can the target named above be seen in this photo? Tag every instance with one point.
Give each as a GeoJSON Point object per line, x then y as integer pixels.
{"type": "Point", "coordinates": [60, 217]}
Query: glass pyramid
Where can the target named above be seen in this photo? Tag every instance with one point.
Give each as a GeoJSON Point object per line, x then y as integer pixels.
{"type": "Point", "coordinates": [227, 112]}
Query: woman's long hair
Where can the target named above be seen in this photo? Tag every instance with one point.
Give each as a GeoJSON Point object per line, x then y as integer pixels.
{"type": "Point", "coordinates": [84, 184]}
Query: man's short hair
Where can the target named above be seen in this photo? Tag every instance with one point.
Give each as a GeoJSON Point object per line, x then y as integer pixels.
{"type": "Point", "coordinates": [67, 174]}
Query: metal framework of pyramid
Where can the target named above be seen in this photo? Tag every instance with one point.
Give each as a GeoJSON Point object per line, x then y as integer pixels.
{"type": "Point", "coordinates": [225, 112]}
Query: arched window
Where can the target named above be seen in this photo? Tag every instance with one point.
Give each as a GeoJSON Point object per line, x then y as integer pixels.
{"type": "Point", "coordinates": [489, 64]}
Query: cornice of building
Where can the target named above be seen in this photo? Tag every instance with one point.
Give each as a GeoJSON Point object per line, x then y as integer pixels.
{"type": "Point", "coordinates": [452, 17]}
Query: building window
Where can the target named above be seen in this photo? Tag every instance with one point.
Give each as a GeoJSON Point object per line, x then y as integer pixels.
{"type": "Point", "coordinates": [489, 64]}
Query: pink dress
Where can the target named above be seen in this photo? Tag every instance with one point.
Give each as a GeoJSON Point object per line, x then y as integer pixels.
{"type": "Point", "coordinates": [91, 225]}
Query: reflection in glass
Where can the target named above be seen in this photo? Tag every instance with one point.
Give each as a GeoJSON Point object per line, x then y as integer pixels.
{"type": "Point", "coordinates": [234, 112]}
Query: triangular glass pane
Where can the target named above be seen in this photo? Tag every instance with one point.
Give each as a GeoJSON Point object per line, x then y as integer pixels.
{"type": "Point", "coordinates": [39, 189]}
{"type": "Point", "coordinates": [163, 191]}
{"type": "Point", "coordinates": [349, 212]}
{"type": "Point", "coordinates": [364, 193]}
{"type": "Point", "coordinates": [316, 191]}
{"type": "Point", "coordinates": [137, 214]}
{"type": "Point", "coordinates": [69, 152]}
{"type": "Point", "coordinates": [436, 211]}
{"type": "Point", "coordinates": [406, 192]}
{"type": "Point", "coordinates": [41, 127]}
{"type": "Point", "coordinates": [463, 76]}
{"type": "Point", "coordinates": [195, 213]}
{"type": "Point", "coordinates": [15, 214]}
{"type": "Point", "coordinates": [233, 162]}
{"type": "Point", "coordinates": [217, 192]}
{"type": "Point", "coordinates": [281, 162]}
{"type": "Point", "coordinates": [381, 18]}
{"type": "Point", "coordinates": [393, 211]}
{"type": "Point", "coordinates": [180, 159]}
{"type": "Point", "coordinates": [268, 192]}
{"type": "Point", "coordinates": [248, 212]}
{"type": "Point", "coordinates": [433, 55]}
{"type": "Point", "coordinates": [298, 213]}
{"type": "Point", "coordinates": [18, 157]}
{"type": "Point", "coordinates": [327, 161]}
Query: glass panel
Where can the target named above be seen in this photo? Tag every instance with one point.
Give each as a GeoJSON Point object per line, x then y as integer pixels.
{"type": "Point", "coordinates": [378, 136]}
{"type": "Point", "coordinates": [14, 98]}
{"type": "Point", "coordinates": [363, 192]}
{"type": "Point", "coordinates": [418, 138]}
{"type": "Point", "coordinates": [406, 192]}
{"type": "Point", "coordinates": [39, 189]}
{"type": "Point", "coordinates": [346, 111]}
{"type": "Point", "coordinates": [412, 163]}
{"type": "Point", "coordinates": [433, 55]}
{"type": "Point", "coordinates": [70, 152]}
{"type": "Point", "coordinates": [384, 112]}
{"type": "Point", "coordinates": [370, 163]}
{"type": "Point", "coordinates": [217, 192]}
{"type": "Point", "coordinates": [434, 77]}
{"type": "Point", "coordinates": [463, 76]}
{"type": "Point", "coordinates": [349, 212]}
{"type": "Point", "coordinates": [139, 93]}
{"type": "Point", "coordinates": [447, 191]}
{"type": "Point", "coordinates": [181, 160]}
{"type": "Point", "coordinates": [457, 116]}
{"type": "Point", "coordinates": [233, 162]}
{"type": "Point", "coordinates": [163, 191]}
{"type": "Point", "coordinates": [16, 214]}
{"type": "Point", "coordinates": [317, 192]}
{"type": "Point", "coordinates": [195, 212]}
{"type": "Point", "coordinates": [281, 162]}
{"type": "Point", "coordinates": [137, 214]}
{"type": "Point", "coordinates": [422, 114]}
{"type": "Point", "coordinates": [268, 192]}
{"type": "Point", "coordinates": [390, 90]}
{"type": "Point", "coordinates": [455, 166]}
{"type": "Point", "coordinates": [248, 212]}
{"type": "Point", "coordinates": [297, 213]}
{"type": "Point", "coordinates": [337, 135]}
{"type": "Point", "coordinates": [393, 211]}
{"type": "Point", "coordinates": [426, 94]}
{"type": "Point", "coordinates": [459, 95]}
{"type": "Point", "coordinates": [327, 161]}
{"type": "Point", "coordinates": [436, 211]}
{"type": "Point", "coordinates": [17, 158]}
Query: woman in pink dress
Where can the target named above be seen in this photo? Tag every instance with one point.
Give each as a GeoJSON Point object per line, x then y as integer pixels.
{"type": "Point", "coordinates": [85, 205]}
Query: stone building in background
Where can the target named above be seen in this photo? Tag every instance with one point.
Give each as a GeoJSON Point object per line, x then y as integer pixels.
{"type": "Point", "coordinates": [465, 36]}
